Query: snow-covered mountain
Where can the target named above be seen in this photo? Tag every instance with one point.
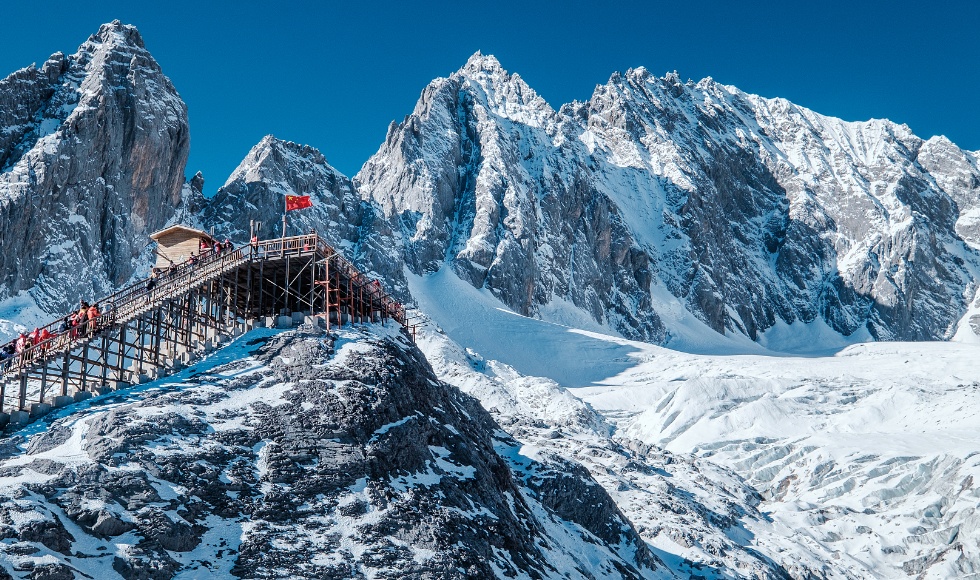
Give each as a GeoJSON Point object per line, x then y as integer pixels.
{"type": "Point", "coordinates": [657, 194]}
{"type": "Point", "coordinates": [92, 154]}
{"type": "Point", "coordinates": [273, 169]}
{"type": "Point", "coordinates": [484, 175]}
{"type": "Point", "coordinates": [690, 215]}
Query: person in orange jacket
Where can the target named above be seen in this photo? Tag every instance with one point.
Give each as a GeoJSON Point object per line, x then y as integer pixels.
{"type": "Point", "coordinates": [93, 317]}
{"type": "Point", "coordinates": [43, 339]}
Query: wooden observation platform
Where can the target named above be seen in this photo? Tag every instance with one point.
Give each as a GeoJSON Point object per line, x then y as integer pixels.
{"type": "Point", "coordinates": [147, 333]}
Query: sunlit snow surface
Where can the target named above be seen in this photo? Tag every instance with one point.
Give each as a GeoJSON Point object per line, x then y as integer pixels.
{"type": "Point", "coordinates": [871, 450]}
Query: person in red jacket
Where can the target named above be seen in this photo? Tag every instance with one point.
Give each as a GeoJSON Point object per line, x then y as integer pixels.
{"type": "Point", "coordinates": [93, 317]}
{"type": "Point", "coordinates": [44, 338]}
{"type": "Point", "coordinates": [73, 324]}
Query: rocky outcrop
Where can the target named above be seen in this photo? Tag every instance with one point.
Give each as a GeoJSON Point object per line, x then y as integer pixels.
{"type": "Point", "coordinates": [315, 457]}
{"type": "Point", "coordinates": [274, 168]}
{"type": "Point", "coordinates": [92, 154]}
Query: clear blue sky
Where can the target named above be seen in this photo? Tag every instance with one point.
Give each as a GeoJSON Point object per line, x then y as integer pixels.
{"type": "Point", "coordinates": [334, 74]}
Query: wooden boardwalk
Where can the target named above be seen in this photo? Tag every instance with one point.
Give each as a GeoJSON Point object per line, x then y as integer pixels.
{"type": "Point", "coordinates": [145, 334]}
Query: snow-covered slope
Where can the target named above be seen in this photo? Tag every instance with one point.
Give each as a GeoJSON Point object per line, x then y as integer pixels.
{"type": "Point", "coordinates": [700, 519]}
{"type": "Point", "coordinates": [873, 451]}
{"type": "Point", "coordinates": [658, 194]}
{"type": "Point", "coordinates": [301, 455]}
{"type": "Point", "coordinates": [865, 458]}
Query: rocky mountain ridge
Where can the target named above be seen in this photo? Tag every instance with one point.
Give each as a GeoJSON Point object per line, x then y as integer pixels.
{"type": "Point", "coordinates": [745, 211]}
{"type": "Point", "coordinates": [652, 198]}
{"type": "Point", "coordinates": [304, 455]}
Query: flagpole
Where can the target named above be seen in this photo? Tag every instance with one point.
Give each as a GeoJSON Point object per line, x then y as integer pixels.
{"type": "Point", "coordinates": [285, 206]}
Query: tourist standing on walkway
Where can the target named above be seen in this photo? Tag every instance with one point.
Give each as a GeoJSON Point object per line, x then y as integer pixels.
{"type": "Point", "coordinates": [93, 317]}
{"type": "Point", "coordinates": [152, 280]}
{"type": "Point", "coordinates": [82, 317]}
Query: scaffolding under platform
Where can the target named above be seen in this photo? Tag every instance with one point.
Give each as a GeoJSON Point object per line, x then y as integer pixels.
{"type": "Point", "coordinates": [149, 330]}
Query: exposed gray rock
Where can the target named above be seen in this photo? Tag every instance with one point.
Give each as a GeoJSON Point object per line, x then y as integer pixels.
{"type": "Point", "coordinates": [350, 450]}
{"type": "Point", "coordinates": [93, 149]}
{"type": "Point", "coordinates": [748, 211]}
{"type": "Point", "coordinates": [255, 191]}
{"type": "Point", "coordinates": [484, 175]}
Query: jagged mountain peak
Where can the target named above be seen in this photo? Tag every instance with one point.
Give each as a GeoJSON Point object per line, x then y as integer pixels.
{"type": "Point", "coordinates": [483, 62]}
{"type": "Point", "coordinates": [667, 157]}
{"type": "Point", "coordinates": [505, 94]}
{"type": "Point", "coordinates": [271, 142]}
{"type": "Point", "coordinates": [115, 33]}
{"type": "Point", "coordinates": [94, 145]}
{"type": "Point", "coordinates": [273, 158]}
{"type": "Point", "coordinates": [275, 168]}
{"type": "Point", "coordinates": [114, 47]}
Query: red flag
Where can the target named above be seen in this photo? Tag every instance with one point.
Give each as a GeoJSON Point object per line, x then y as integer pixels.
{"type": "Point", "coordinates": [298, 202]}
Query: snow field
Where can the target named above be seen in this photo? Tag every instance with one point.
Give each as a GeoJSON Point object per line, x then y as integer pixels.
{"type": "Point", "coordinates": [865, 454]}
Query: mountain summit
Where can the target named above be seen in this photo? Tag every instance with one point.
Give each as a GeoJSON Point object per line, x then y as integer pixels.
{"type": "Point", "coordinates": [92, 151]}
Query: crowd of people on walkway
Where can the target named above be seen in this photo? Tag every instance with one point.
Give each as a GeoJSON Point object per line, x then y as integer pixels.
{"type": "Point", "coordinates": [205, 250]}
{"type": "Point", "coordinates": [215, 249]}
{"type": "Point", "coordinates": [31, 345]}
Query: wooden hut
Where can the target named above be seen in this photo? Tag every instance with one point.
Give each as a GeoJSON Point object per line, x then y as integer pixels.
{"type": "Point", "coordinates": [176, 243]}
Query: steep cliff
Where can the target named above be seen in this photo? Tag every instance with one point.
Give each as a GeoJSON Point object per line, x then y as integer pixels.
{"type": "Point", "coordinates": [92, 155]}
{"type": "Point", "coordinates": [487, 178]}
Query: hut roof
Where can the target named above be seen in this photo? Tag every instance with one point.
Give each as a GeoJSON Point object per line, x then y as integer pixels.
{"type": "Point", "coordinates": [178, 228]}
